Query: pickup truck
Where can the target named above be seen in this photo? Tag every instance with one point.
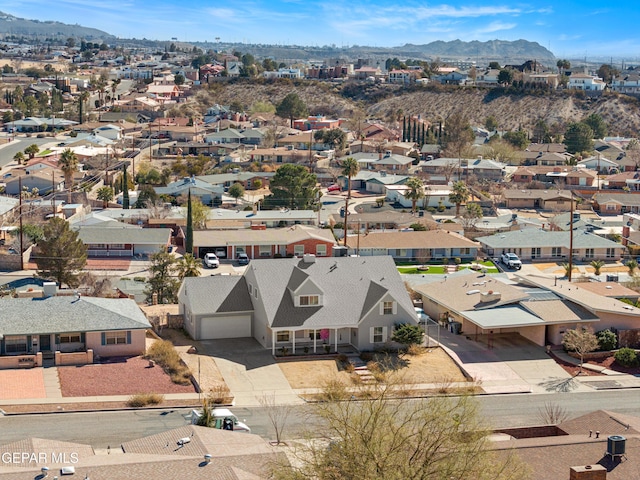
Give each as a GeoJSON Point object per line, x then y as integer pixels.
{"type": "Point", "coordinates": [222, 419]}
{"type": "Point", "coordinates": [511, 260]}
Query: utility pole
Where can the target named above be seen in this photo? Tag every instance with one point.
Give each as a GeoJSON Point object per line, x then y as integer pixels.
{"type": "Point", "coordinates": [21, 231]}
{"type": "Point", "coordinates": [53, 193]}
{"type": "Point", "coordinates": [570, 270]}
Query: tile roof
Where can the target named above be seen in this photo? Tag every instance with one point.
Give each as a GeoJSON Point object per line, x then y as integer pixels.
{"type": "Point", "coordinates": [366, 279]}
{"type": "Point", "coordinates": [32, 316]}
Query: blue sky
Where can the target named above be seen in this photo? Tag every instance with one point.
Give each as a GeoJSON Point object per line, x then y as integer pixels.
{"type": "Point", "coordinates": [569, 29]}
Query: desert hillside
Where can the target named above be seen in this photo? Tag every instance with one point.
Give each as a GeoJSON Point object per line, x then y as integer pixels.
{"type": "Point", "coordinates": [621, 112]}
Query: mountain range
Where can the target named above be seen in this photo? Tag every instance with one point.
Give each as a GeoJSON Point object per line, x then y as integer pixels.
{"type": "Point", "coordinates": [504, 52]}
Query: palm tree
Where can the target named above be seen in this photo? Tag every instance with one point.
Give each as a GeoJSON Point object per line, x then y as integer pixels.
{"type": "Point", "coordinates": [188, 266]}
{"type": "Point", "coordinates": [632, 265]}
{"type": "Point", "coordinates": [68, 163]}
{"type": "Point", "coordinates": [597, 265]}
{"type": "Point", "coordinates": [105, 194]}
{"type": "Point", "coordinates": [415, 192]}
{"type": "Point", "coordinates": [82, 99]}
{"type": "Point", "coordinates": [350, 168]}
{"type": "Point", "coordinates": [459, 195]}
{"type": "Point", "coordinates": [19, 157]}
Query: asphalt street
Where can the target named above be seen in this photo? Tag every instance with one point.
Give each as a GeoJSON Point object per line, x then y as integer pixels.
{"type": "Point", "coordinates": [102, 429]}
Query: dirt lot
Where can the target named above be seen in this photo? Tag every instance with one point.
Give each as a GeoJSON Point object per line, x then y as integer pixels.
{"type": "Point", "coordinates": [433, 366]}
{"type": "Point", "coordinates": [121, 377]}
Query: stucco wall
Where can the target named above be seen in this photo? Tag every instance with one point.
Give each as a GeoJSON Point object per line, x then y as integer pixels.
{"type": "Point", "coordinates": [136, 347]}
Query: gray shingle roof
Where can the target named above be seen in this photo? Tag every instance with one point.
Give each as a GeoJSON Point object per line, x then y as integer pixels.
{"type": "Point", "coordinates": [349, 285]}
{"type": "Point", "coordinates": [533, 237]}
{"type": "Point", "coordinates": [138, 236]}
{"type": "Point", "coordinates": [33, 316]}
{"type": "Point", "coordinates": [217, 293]}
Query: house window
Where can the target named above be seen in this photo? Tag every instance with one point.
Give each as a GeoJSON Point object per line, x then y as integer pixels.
{"type": "Point", "coordinates": [588, 253]}
{"type": "Point", "coordinates": [401, 252]}
{"type": "Point", "coordinates": [465, 251]}
{"type": "Point", "coordinates": [69, 338]}
{"type": "Point", "coordinates": [321, 250]}
{"type": "Point", "coordinates": [115, 338]}
{"type": "Point", "coordinates": [611, 252]}
{"type": "Point", "coordinates": [535, 252]}
{"type": "Point", "coordinates": [265, 250]}
{"type": "Point", "coordinates": [282, 337]}
{"type": "Point", "coordinates": [298, 250]}
{"type": "Point", "coordinates": [250, 289]}
{"type": "Point", "coordinates": [99, 245]}
{"type": "Point", "coordinates": [117, 246]}
{"type": "Point", "coordinates": [387, 308]}
{"type": "Point", "coordinates": [255, 292]}
{"type": "Point", "coordinates": [378, 334]}
{"type": "Point", "coordinates": [556, 251]}
{"type": "Point", "coordinates": [610, 206]}
{"type": "Point", "coordinates": [16, 344]}
{"type": "Point", "coordinates": [317, 334]}
{"type": "Point", "coordinates": [309, 300]}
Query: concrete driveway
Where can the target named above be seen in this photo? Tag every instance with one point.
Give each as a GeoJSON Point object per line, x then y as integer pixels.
{"type": "Point", "coordinates": [509, 364]}
{"type": "Point", "coordinates": [249, 371]}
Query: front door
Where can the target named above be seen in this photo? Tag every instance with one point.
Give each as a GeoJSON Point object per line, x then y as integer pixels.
{"type": "Point", "coordinates": [45, 343]}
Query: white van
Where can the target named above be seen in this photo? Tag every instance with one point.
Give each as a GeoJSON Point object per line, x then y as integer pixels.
{"type": "Point", "coordinates": [224, 419]}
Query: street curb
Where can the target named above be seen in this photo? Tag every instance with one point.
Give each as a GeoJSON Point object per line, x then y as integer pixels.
{"type": "Point", "coordinates": [125, 409]}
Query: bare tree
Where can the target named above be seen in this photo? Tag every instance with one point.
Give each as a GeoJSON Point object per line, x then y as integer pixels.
{"type": "Point", "coordinates": [552, 414]}
{"type": "Point", "coordinates": [581, 341]}
{"type": "Point", "coordinates": [278, 414]}
{"type": "Point", "coordinates": [384, 435]}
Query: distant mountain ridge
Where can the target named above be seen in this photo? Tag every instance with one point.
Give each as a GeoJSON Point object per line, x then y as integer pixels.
{"type": "Point", "coordinates": [502, 51]}
{"type": "Point", "coordinates": [10, 25]}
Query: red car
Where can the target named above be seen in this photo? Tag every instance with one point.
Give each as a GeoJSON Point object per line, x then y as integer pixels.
{"type": "Point", "coordinates": [334, 188]}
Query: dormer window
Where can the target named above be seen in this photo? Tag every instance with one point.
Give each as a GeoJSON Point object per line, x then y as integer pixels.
{"type": "Point", "coordinates": [388, 308]}
{"type": "Point", "coordinates": [309, 300]}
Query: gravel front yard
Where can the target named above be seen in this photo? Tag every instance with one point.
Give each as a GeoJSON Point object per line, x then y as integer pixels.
{"type": "Point", "coordinates": [126, 376]}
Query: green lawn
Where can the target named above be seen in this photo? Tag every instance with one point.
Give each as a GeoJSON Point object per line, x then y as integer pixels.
{"type": "Point", "coordinates": [439, 269]}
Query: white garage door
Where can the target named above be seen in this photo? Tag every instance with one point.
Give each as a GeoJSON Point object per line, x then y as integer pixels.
{"type": "Point", "coordinates": [146, 249]}
{"type": "Point", "coordinates": [238, 326]}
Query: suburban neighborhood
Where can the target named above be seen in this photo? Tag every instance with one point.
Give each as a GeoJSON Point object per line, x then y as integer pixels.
{"type": "Point", "coordinates": [167, 251]}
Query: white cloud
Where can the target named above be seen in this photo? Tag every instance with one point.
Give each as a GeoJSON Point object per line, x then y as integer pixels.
{"type": "Point", "coordinates": [495, 27]}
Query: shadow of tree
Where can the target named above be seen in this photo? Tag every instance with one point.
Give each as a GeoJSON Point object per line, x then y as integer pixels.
{"type": "Point", "coordinates": [559, 385]}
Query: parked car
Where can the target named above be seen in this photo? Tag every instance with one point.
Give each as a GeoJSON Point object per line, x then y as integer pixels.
{"type": "Point", "coordinates": [511, 260]}
{"type": "Point", "coordinates": [334, 188]}
{"type": "Point", "coordinates": [211, 260]}
{"type": "Point", "coordinates": [243, 259]}
{"type": "Point", "coordinates": [222, 419]}
{"type": "Point", "coordinates": [221, 252]}
{"type": "Point", "coordinates": [423, 318]}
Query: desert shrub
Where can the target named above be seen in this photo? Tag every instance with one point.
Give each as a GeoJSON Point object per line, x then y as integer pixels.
{"type": "Point", "coordinates": [627, 357]}
{"type": "Point", "coordinates": [415, 350]}
{"type": "Point", "coordinates": [218, 395]}
{"type": "Point", "coordinates": [144, 399]}
{"type": "Point", "coordinates": [366, 356]}
{"type": "Point", "coordinates": [163, 354]}
{"type": "Point", "coordinates": [606, 340]}
{"type": "Point", "coordinates": [342, 358]}
{"type": "Point", "coordinates": [334, 390]}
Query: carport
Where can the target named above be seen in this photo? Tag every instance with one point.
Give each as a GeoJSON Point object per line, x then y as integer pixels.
{"type": "Point", "coordinates": [509, 319]}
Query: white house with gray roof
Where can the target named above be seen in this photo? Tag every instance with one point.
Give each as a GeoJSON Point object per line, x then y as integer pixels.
{"type": "Point", "coordinates": [108, 326]}
{"type": "Point", "coordinates": [537, 244]}
{"type": "Point", "coordinates": [311, 304]}
{"type": "Point", "coordinates": [123, 241]}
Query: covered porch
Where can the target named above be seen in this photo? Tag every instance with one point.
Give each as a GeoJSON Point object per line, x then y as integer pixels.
{"type": "Point", "coordinates": [319, 340]}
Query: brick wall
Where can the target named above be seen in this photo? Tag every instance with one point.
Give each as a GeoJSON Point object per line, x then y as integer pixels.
{"type": "Point", "coordinates": [588, 472]}
{"type": "Point", "coordinates": [310, 246]}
